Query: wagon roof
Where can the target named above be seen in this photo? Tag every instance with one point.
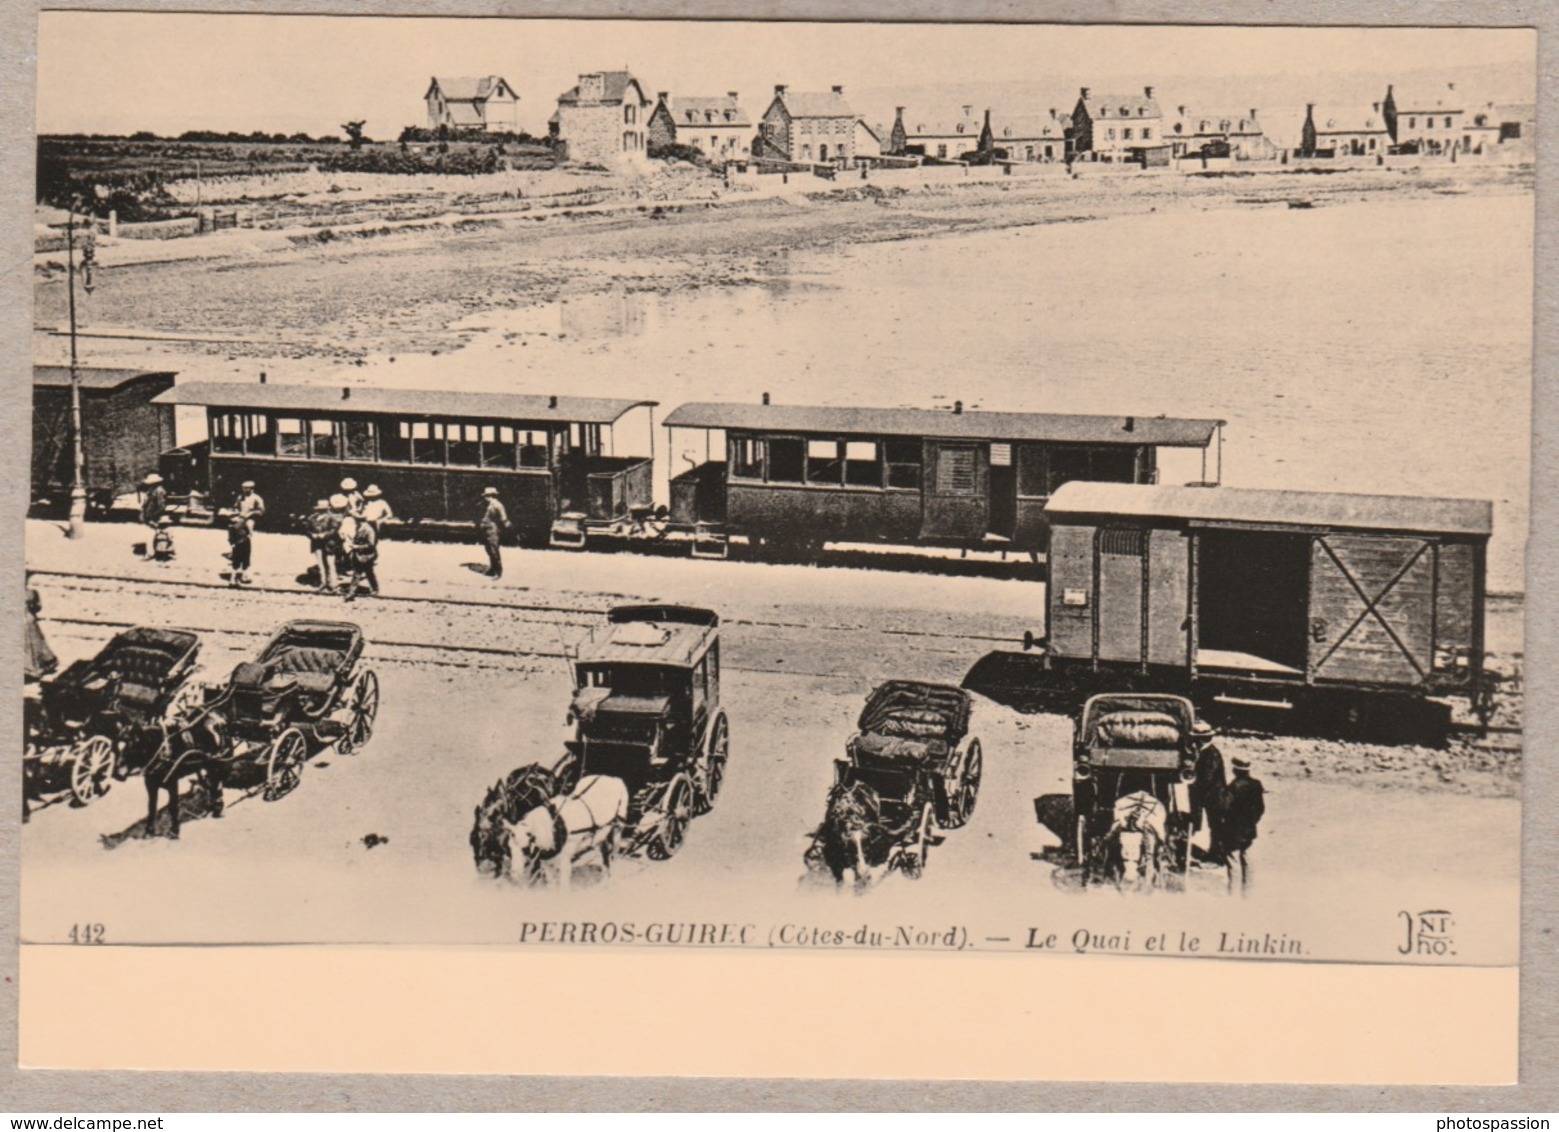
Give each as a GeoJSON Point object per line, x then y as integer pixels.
{"type": "Point", "coordinates": [56, 377]}
{"type": "Point", "coordinates": [675, 643]}
{"type": "Point", "coordinates": [408, 402]}
{"type": "Point", "coordinates": [1283, 508]}
{"type": "Point", "coordinates": [1167, 431]}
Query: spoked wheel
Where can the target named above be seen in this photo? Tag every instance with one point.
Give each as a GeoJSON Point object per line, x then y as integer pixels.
{"type": "Point", "coordinates": [712, 767]}
{"type": "Point", "coordinates": [961, 805]}
{"type": "Point", "coordinates": [92, 768]}
{"type": "Point", "coordinates": [362, 709]}
{"type": "Point", "coordinates": [676, 811]}
{"type": "Point", "coordinates": [284, 764]}
{"type": "Point", "coordinates": [913, 861]}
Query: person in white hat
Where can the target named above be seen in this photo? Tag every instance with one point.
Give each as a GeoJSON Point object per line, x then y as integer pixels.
{"type": "Point", "coordinates": [492, 522]}
{"type": "Point", "coordinates": [344, 531]}
{"type": "Point", "coordinates": [250, 506]}
{"type": "Point", "coordinates": [354, 498]}
{"type": "Point", "coordinates": [323, 526]}
{"type": "Point", "coordinates": [154, 505]}
{"type": "Point", "coordinates": [376, 509]}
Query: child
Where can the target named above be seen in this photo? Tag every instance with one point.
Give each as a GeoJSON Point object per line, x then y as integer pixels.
{"type": "Point", "coordinates": [162, 541]}
{"type": "Point", "coordinates": [241, 539]}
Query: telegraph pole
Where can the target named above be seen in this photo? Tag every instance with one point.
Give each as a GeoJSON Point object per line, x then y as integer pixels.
{"type": "Point", "coordinates": [78, 484]}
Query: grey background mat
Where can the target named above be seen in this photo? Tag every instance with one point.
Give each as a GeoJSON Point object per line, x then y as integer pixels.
{"type": "Point", "coordinates": [1538, 1090]}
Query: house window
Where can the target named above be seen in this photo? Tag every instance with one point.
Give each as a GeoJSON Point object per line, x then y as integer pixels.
{"type": "Point", "coordinates": [941, 151]}
{"type": "Point", "coordinates": [1411, 122]}
{"type": "Point", "coordinates": [1126, 134]}
{"type": "Point", "coordinates": [1110, 133]}
{"type": "Point", "coordinates": [1028, 153]}
{"type": "Point", "coordinates": [630, 114]}
{"type": "Point", "coordinates": [822, 153]}
{"type": "Point", "coordinates": [806, 153]}
{"type": "Point", "coordinates": [627, 142]}
{"type": "Point", "coordinates": [1448, 123]}
{"type": "Point", "coordinates": [1147, 132]}
{"type": "Point", "coordinates": [1372, 143]}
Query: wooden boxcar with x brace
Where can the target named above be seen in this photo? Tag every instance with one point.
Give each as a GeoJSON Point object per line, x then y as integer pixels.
{"type": "Point", "coordinates": [1280, 598]}
{"type": "Point", "coordinates": [794, 476]}
{"type": "Point", "coordinates": [432, 452]}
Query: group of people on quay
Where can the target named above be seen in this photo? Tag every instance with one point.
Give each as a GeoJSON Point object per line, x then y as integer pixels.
{"type": "Point", "coordinates": [1231, 807]}
{"type": "Point", "coordinates": [343, 533]}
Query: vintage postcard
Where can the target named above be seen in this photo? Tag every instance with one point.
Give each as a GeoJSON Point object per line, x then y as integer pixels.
{"type": "Point", "coordinates": [1009, 503]}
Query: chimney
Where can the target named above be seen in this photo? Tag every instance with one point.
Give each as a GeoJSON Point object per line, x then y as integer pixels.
{"type": "Point", "coordinates": [1147, 91]}
{"type": "Point", "coordinates": [765, 398]}
{"type": "Point", "coordinates": [1085, 92]}
{"type": "Point", "coordinates": [1052, 113]}
{"type": "Point", "coordinates": [663, 95]}
{"type": "Point", "coordinates": [1450, 86]}
{"type": "Point", "coordinates": [1376, 105]}
{"type": "Point", "coordinates": [346, 393]}
{"type": "Point", "coordinates": [968, 110]}
{"type": "Point", "coordinates": [731, 94]}
{"type": "Point", "coordinates": [779, 90]}
{"type": "Point", "coordinates": [1252, 113]}
{"type": "Point", "coordinates": [1131, 424]}
{"type": "Point", "coordinates": [1180, 110]}
{"type": "Point", "coordinates": [839, 90]}
{"type": "Point", "coordinates": [552, 401]}
{"type": "Point", "coordinates": [262, 377]}
{"type": "Point", "coordinates": [987, 117]}
{"type": "Point", "coordinates": [958, 407]}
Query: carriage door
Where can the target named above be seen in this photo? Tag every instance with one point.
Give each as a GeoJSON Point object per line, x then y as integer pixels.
{"type": "Point", "coordinates": [956, 490]}
{"type": "Point", "coordinates": [1372, 600]}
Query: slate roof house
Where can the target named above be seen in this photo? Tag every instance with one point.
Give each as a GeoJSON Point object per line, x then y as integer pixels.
{"type": "Point", "coordinates": [604, 119]}
{"type": "Point", "coordinates": [1223, 133]}
{"type": "Point", "coordinates": [1117, 127]}
{"type": "Point", "coordinates": [716, 126]}
{"type": "Point", "coordinates": [1025, 137]}
{"type": "Point", "coordinates": [806, 126]}
{"type": "Point", "coordinates": [1343, 133]}
{"type": "Point", "coordinates": [1425, 123]}
{"type": "Point", "coordinates": [486, 103]}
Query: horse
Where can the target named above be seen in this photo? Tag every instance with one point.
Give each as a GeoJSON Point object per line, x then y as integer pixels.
{"type": "Point", "coordinates": [1138, 835]}
{"type": "Point", "coordinates": [506, 801]}
{"type": "Point", "coordinates": [852, 836]}
{"type": "Point", "coordinates": [569, 828]}
{"type": "Point", "coordinates": [192, 744]}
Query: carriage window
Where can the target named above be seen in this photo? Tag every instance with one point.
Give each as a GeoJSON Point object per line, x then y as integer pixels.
{"type": "Point", "coordinates": [427, 443]}
{"type": "Point", "coordinates": [787, 459]}
{"type": "Point", "coordinates": [700, 687]}
{"type": "Point", "coordinates": [290, 439]}
{"type": "Point", "coordinates": [227, 434]}
{"type": "Point", "coordinates": [746, 461]}
{"type": "Point", "coordinates": [465, 449]}
{"type": "Point", "coordinates": [262, 441]}
{"type": "Point", "coordinates": [862, 463]}
{"type": "Point", "coordinates": [497, 446]}
{"type": "Point", "coordinates": [1068, 464]}
{"type": "Point", "coordinates": [955, 471]}
{"type": "Point", "coordinates": [1113, 465]}
{"type": "Point", "coordinates": [712, 672]}
{"type": "Point", "coordinates": [357, 437]}
{"type": "Point", "coordinates": [823, 463]}
{"type": "Point", "coordinates": [1001, 455]}
{"type": "Point", "coordinates": [395, 443]}
{"type": "Point", "coordinates": [1032, 471]}
{"type": "Point", "coordinates": [533, 450]}
{"type": "Point", "coordinates": [326, 444]}
{"type": "Point", "coordinates": [903, 458]}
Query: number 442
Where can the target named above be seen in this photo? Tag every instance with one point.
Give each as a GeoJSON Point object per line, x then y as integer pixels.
{"type": "Point", "coordinates": [86, 933]}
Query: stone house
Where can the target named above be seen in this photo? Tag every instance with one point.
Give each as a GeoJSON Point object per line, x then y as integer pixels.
{"type": "Point", "coordinates": [1500, 128]}
{"type": "Point", "coordinates": [717, 127]}
{"type": "Point", "coordinates": [1117, 127]}
{"type": "Point", "coordinates": [486, 103]}
{"type": "Point", "coordinates": [808, 126]}
{"type": "Point", "coordinates": [1219, 134]}
{"type": "Point", "coordinates": [943, 139]}
{"type": "Point", "coordinates": [603, 120]}
{"type": "Point", "coordinates": [1025, 137]}
{"type": "Point", "coordinates": [1425, 122]}
{"type": "Point", "coordinates": [1343, 133]}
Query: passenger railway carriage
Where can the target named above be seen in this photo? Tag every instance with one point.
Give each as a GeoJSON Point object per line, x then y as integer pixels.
{"type": "Point", "coordinates": [793, 477]}
{"type": "Point", "coordinates": [1277, 598]}
{"type": "Point", "coordinates": [432, 452]}
{"type": "Point", "coordinates": [122, 432]}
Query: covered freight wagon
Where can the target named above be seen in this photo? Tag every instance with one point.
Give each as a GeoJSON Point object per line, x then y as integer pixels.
{"type": "Point", "coordinates": [122, 432]}
{"type": "Point", "coordinates": [1280, 598]}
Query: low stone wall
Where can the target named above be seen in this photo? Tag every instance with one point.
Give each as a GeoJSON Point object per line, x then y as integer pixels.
{"type": "Point", "coordinates": [161, 229]}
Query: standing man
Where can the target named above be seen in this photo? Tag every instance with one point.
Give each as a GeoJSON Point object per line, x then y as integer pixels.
{"type": "Point", "coordinates": [240, 541]}
{"type": "Point", "coordinates": [345, 536]}
{"type": "Point", "coordinates": [153, 507]}
{"type": "Point", "coordinates": [354, 498]}
{"type": "Point", "coordinates": [375, 509]}
{"type": "Point", "coordinates": [250, 507]}
{"type": "Point", "coordinates": [1208, 789]}
{"type": "Point", "coordinates": [363, 553]}
{"type": "Point", "coordinates": [492, 523]}
{"type": "Point", "coordinates": [322, 525]}
{"type": "Point", "coordinates": [1246, 805]}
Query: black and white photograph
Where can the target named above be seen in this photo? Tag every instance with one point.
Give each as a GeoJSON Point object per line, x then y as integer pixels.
{"type": "Point", "coordinates": [954, 489]}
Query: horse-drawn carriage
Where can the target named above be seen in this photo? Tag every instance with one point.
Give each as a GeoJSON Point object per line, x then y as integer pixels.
{"type": "Point", "coordinates": [1133, 769]}
{"type": "Point", "coordinates": [907, 774]}
{"type": "Point", "coordinates": [648, 728]}
{"type": "Point", "coordinates": [306, 690]}
{"type": "Point", "coordinates": [100, 718]}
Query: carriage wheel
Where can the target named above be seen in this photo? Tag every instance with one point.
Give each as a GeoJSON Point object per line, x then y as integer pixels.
{"type": "Point", "coordinates": [364, 709]}
{"type": "Point", "coordinates": [92, 769]}
{"type": "Point", "coordinates": [284, 764]}
{"type": "Point", "coordinates": [961, 805]}
{"type": "Point", "coordinates": [676, 812]}
{"type": "Point", "coordinates": [913, 860]}
{"type": "Point", "coordinates": [712, 767]}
